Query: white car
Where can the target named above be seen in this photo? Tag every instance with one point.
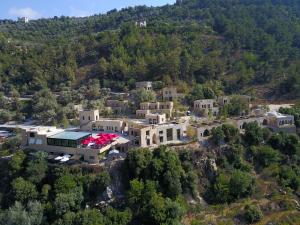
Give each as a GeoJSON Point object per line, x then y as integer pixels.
{"type": "Point", "coordinates": [58, 158]}
{"type": "Point", "coordinates": [65, 158]}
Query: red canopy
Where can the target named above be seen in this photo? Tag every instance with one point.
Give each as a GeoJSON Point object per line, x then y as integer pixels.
{"type": "Point", "coordinates": [103, 138]}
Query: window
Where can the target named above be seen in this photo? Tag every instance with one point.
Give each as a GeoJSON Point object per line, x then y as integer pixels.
{"type": "Point", "coordinates": [161, 139]}
{"type": "Point", "coordinates": [31, 134]}
{"type": "Point", "coordinates": [92, 157]}
{"type": "Point", "coordinates": [147, 132]}
{"type": "Point", "coordinates": [169, 134]}
{"type": "Point", "coordinates": [83, 118]}
{"type": "Point", "coordinates": [39, 141]}
{"type": "Point", "coordinates": [89, 118]}
{"type": "Point", "coordinates": [148, 141]}
{"type": "Point", "coordinates": [178, 134]}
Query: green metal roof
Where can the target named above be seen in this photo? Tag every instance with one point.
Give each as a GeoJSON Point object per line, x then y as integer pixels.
{"type": "Point", "coordinates": [70, 135]}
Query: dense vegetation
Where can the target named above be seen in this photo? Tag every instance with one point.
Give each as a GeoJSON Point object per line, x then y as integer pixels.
{"type": "Point", "coordinates": [240, 43]}
{"type": "Point", "coordinates": [156, 184]}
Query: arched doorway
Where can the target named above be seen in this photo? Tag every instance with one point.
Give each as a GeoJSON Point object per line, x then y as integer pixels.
{"type": "Point", "coordinates": [206, 133]}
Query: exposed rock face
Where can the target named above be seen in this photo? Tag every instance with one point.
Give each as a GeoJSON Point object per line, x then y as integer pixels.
{"type": "Point", "coordinates": [210, 168]}
{"type": "Point", "coordinates": [108, 194]}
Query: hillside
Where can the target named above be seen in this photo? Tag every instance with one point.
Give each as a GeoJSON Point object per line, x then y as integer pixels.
{"type": "Point", "coordinates": [244, 44]}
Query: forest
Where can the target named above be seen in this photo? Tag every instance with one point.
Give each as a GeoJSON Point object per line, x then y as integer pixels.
{"type": "Point", "coordinates": [256, 175]}
{"type": "Point", "coordinates": [247, 46]}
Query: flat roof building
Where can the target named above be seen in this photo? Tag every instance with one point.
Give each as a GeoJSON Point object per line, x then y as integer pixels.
{"type": "Point", "coordinates": [155, 107]}
{"type": "Point", "coordinates": [59, 141]}
{"type": "Point", "coordinates": [203, 107]}
{"type": "Point", "coordinates": [147, 85]}
{"type": "Point", "coordinates": [171, 94]}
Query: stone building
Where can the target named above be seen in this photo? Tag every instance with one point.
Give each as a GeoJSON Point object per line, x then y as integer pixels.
{"type": "Point", "coordinates": [171, 94]}
{"type": "Point", "coordinates": [155, 107]}
{"type": "Point", "coordinates": [203, 107]}
{"type": "Point", "coordinates": [147, 85]}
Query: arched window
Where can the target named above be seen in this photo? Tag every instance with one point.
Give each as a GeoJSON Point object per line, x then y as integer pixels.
{"type": "Point", "coordinates": [206, 133]}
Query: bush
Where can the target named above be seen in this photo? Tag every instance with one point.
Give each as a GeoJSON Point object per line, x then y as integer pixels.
{"type": "Point", "coordinates": [252, 214]}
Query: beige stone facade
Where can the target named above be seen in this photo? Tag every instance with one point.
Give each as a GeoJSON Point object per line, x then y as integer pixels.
{"type": "Point", "coordinates": [156, 118]}
{"type": "Point", "coordinates": [155, 107]}
{"type": "Point", "coordinates": [37, 138]}
{"type": "Point", "coordinates": [146, 135]}
{"type": "Point", "coordinates": [118, 106]}
{"type": "Point", "coordinates": [86, 116]}
{"type": "Point", "coordinates": [147, 85]}
{"type": "Point", "coordinates": [106, 125]}
{"type": "Point", "coordinates": [171, 94]}
{"type": "Point", "coordinates": [203, 107]}
{"type": "Point", "coordinates": [279, 122]}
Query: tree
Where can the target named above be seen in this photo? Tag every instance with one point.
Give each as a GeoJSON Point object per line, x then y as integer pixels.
{"type": "Point", "coordinates": [16, 163]}
{"type": "Point", "coordinates": [227, 188]}
{"type": "Point", "coordinates": [102, 180]}
{"type": "Point", "coordinates": [65, 184]}
{"type": "Point", "coordinates": [142, 95]}
{"type": "Point", "coordinates": [36, 169]}
{"type": "Point", "coordinates": [5, 116]}
{"type": "Point", "coordinates": [23, 190]}
{"type": "Point", "coordinates": [286, 143]}
{"type": "Point", "coordinates": [17, 214]}
{"type": "Point", "coordinates": [65, 202]}
{"type": "Point", "coordinates": [252, 214]}
{"type": "Point", "coordinates": [217, 135]}
{"type": "Point", "coordinates": [241, 184]}
{"type": "Point", "coordinates": [253, 134]}
{"type": "Point", "coordinates": [221, 189]}
{"type": "Point", "coordinates": [44, 107]}
{"type": "Point", "coordinates": [265, 155]}
{"type": "Point", "coordinates": [200, 91]}
{"type": "Point", "coordinates": [114, 217]}
{"type": "Point", "coordinates": [137, 162]}
{"type": "Point", "coordinates": [150, 207]}
{"type": "Point", "coordinates": [12, 143]}
{"type": "Point", "coordinates": [238, 106]}
{"type": "Point", "coordinates": [289, 177]}
{"type": "Point", "coordinates": [231, 133]}
{"type": "Point", "coordinates": [89, 217]}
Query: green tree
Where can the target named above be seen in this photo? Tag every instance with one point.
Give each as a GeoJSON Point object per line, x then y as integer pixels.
{"type": "Point", "coordinates": [44, 107]}
{"type": "Point", "coordinates": [217, 135]}
{"type": "Point", "coordinates": [65, 202]}
{"type": "Point", "coordinates": [101, 181]}
{"type": "Point", "coordinates": [241, 184]}
{"type": "Point", "coordinates": [89, 217]}
{"type": "Point", "coordinates": [36, 169]}
{"type": "Point", "coordinates": [221, 189]}
{"type": "Point", "coordinates": [265, 155]}
{"type": "Point", "coordinates": [17, 214]}
{"type": "Point", "coordinates": [17, 163]}
{"type": "Point", "coordinates": [231, 133]}
{"type": "Point", "coordinates": [23, 190]}
{"type": "Point", "coordinates": [65, 184]}
{"type": "Point", "coordinates": [238, 106]}
{"type": "Point", "coordinates": [252, 214]}
{"type": "Point", "coordinates": [114, 217]}
{"type": "Point", "coordinates": [253, 134]}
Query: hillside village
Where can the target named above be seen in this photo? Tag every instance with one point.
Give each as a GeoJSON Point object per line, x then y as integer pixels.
{"type": "Point", "coordinates": [181, 114]}
{"type": "Point", "coordinates": [154, 124]}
